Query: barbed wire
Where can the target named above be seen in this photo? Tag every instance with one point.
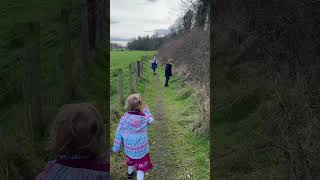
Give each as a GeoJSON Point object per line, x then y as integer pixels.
{"type": "Point", "coordinates": [11, 62]}
{"type": "Point", "coordinates": [74, 26]}
{"type": "Point", "coordinates": [90, 13]}
{"type": "Point", "coordinates": [50, 44]}
{"type": "Point", "coordinates": [7, 41]}
{"type": "Point", "coordinates": [14, 107]}
{"type": "Point", "coordinates": [7, 92]}
{"type": "Point", "coordinates": [50, 39]}
{"type": "Point", "coordinates": [49, 36]}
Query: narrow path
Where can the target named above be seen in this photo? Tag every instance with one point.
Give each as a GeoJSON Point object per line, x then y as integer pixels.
{"type": "Point", "coordinates": [160, 136]}
{"type": "Point", "coordinates": [175, 150]}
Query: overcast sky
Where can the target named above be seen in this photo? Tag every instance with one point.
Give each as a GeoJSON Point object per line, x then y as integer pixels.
{"type": "Point", "coordinates": [132, 18]}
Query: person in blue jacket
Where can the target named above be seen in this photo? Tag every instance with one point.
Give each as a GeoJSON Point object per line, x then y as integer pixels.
{"type": "Point", "coordinates": [168, 72]}
{"type": "Point", "coordinates": [154, 64]}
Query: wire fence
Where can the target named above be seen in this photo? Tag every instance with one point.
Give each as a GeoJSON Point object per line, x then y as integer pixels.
{"type": "Point", "coordinates": [40, 59]}
{"type": "Point", "coordinates": [135, 71]}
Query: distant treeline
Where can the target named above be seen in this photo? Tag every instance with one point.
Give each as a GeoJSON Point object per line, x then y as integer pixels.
{"type": "Point", "coordinates": [116, 46]}
{"type": "Point", "coordinates": [145, 43]}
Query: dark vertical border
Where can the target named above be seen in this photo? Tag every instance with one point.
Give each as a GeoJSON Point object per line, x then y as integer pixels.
{"type": "Point", "coordinates": [212, 10]}
{"type": "Point", "coordinates": [107, 61]}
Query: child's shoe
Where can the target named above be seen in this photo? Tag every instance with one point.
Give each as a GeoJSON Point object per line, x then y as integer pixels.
{"type": "Point", "coordinates": [132, 175]}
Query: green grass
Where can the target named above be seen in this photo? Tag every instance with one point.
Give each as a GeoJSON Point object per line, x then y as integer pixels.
{"type": "Point", "coordinates": [186, 155]}
{"type": "Point", "coordinates": [181, 114]}
{"type": "Point", "coordinates": [21, 158]}
{"type": "Point", "coordinates": [121, 60]}
{"type": "Point", "coordinates": [18, 11]}
{"type": "Point", "coordinates": [239, 151]}
{"type": "Point", "coordinates": [14, 15]}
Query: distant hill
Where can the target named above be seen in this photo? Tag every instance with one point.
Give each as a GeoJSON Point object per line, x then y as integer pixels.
{"type": "Point", "coordinates": [118, 39]}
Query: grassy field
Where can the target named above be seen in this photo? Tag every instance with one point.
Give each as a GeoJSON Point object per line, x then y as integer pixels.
{"type": "Point", "coordinates": [14, 15]}
{"type": "Point", "coordinates": [20, 156]}
{"type": "Point", "coordinates": [121, 60]}
{"type": "Point", "coordinates": [19, 11]}
{"type": "Point", "coordinates": [175, 150]}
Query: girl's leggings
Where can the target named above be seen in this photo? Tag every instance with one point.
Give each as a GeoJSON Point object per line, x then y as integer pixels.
{"type": "Point", "coordinates": [140, 174]}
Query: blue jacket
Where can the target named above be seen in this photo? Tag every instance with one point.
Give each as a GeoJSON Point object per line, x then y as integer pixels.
{"type": "Point", "coordinates": [154, 63]}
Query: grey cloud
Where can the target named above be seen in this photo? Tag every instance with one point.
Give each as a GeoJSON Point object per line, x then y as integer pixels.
{"type": "Point", "coordinates": [114, 22]}
{"type": "Point", "coordinates": [161, 32]}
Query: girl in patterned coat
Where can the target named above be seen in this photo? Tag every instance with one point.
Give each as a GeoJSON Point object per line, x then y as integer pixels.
{"type": "Point", "coordinates": [132, 134]}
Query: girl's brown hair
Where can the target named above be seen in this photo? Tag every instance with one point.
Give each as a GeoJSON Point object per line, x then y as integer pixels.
{"type": "Point", "coordinates": [134, 103]}
{"type": "Point", "coordinates": [78, 130]}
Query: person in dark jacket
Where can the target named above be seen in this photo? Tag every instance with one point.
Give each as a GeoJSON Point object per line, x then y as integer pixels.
{"type": "Point", "coordinates": [168, 72]}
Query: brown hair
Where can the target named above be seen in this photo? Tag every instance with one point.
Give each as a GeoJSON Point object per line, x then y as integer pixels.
{"type": "Point", "coordinates": [134, 103]}
{"type": "Point", "coordinates": [78, 130]}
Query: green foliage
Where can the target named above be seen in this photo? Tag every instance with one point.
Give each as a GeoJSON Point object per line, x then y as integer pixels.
{"type": "Point", "coordinates": [240, 149]}
{"type": "Point", "coordinates": [21, 157]}
{"type": "Point", "coordinates": [18, 11]}
{"type": "Point", "coordinates": [175, 135]}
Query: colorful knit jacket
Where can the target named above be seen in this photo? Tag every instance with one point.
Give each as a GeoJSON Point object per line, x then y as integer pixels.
{"type": "Point", "coordinates": [75, 168]}
{"type": "Point", "coordinates": [132, 133]}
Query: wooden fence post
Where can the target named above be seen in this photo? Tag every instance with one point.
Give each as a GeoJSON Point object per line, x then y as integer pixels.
{"type": "Point", "coordinates": [84, 33]}
{"type": "Point", "coordinates": [131, 83]}
{"type": "Point", "coordinates": [105, 21]}
{"type": "Point", "coordinates": [141, 64]}
{"type": "Point", "coordinates": [120, 88]}
{"type": "Point", "coordinates": [98, 23]}
{"type": "Point", "coordinates": [68, 56]}
{"type": "Point", "coordinates": [32, 65]}
{"type": "Point", "coordinates": [138, 71]}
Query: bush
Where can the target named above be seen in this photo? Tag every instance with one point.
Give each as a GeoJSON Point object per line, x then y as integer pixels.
{"type": "Point", "coordinates": [190, 52]}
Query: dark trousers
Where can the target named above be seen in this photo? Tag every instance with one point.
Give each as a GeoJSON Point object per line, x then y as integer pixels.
{"type": "Point", "coordinates": [167, 80]}
{"type": "Point", "coordinates": [154, 70]}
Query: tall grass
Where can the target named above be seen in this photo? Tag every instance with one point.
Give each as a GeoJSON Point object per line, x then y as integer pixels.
{"type": "Point", "coordinates": [190, 52]}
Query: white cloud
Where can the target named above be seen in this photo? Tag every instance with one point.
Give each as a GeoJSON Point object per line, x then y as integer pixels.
{"type": "Point", "coordinates": [152, 0]}
{"type": "Point", "coordinates": [132, 18]}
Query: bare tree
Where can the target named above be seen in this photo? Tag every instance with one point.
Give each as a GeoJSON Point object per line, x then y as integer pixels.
{"type": "Point", "coordinates": [187, 20]}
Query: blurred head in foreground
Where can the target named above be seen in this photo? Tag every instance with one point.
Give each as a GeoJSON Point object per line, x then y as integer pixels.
{"type": "Point", "coordinates": [78, 130]}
